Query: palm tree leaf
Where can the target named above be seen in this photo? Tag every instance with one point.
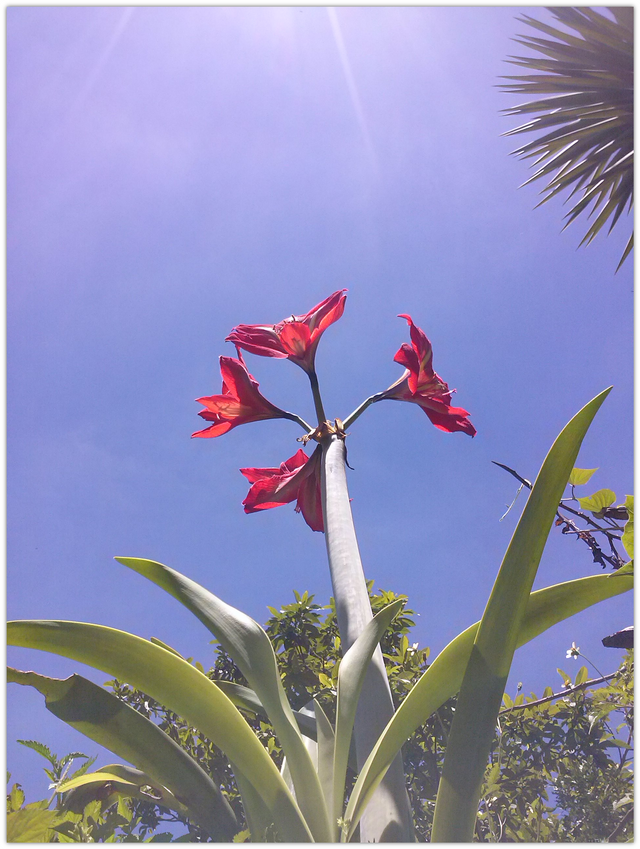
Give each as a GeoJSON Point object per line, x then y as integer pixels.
{"type": "Point", "coordinates": [584, 141]}
{"type": "Point", "coordinates": [627, 251]}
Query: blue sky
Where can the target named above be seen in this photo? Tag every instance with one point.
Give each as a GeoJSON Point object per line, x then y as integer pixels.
{"type": "Point", "coordinates": [173, 172]}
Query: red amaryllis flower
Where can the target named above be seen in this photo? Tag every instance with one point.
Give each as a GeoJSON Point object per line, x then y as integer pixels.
{"type": "Point", "coordinates": [239, 403]}
{"type": "Point", "coordinates": [421, 385]}
{"type": "Point", "coordinates": [295, 338]}
{"type": "Point", "coordinates": [297, 478]}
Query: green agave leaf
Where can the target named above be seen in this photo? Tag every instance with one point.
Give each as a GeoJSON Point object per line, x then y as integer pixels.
{"type": "Point", "coordinates": [246, 698]}
{"type": "Point", "coordinates": [326, 754]}
{"type": "Point", "coordinates": [351, 675]}
{"type": "Point", "coordinates": [249, 646]}
{"type": "Point", "coordinates": [580, 476]}
{"type": "Point", "coordinates": [258, 815]}
{"type": "Point", "coordinates": [181, 688]}
{"type": "Point", "coordinates": [107, 720]}
{"type": "Point", "coordinates": [600, 500]}
{"type": "Point", "coordinates": [443, 678]}
{"type": "Point", "coordinates": [473, 726]}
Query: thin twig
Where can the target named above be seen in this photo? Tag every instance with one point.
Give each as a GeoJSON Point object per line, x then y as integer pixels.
{"type": "Point", "coordinates": [570, 527]}
{"type": "Point", "coordinates": [616, 831]}
{"type": "Point", "coordinates": [560, 695]}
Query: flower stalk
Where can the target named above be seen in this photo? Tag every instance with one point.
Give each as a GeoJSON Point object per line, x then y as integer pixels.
{"type": "Point", "coordinates": [317, 398]}
{"type": "Point", "coordinates": [360, 410]}
{"type": "Point", "coordinates": [388, 815]}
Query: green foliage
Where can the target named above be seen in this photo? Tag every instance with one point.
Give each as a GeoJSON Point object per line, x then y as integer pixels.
{"type": "Point", "coordinates": [555, 772]}
{"type": "Point", "coordinates": [105, 817]}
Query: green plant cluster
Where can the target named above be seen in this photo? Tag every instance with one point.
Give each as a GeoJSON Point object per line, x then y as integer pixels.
{"type": "Point", "coordinates": [558, 772]}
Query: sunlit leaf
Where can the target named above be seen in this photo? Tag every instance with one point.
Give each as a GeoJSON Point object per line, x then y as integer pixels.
{"type": "Point", "coordinates": [600, 500]}
{"type": "Point", "coordinates": [580, 476]}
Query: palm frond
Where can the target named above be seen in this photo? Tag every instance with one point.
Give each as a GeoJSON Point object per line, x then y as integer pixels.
{"type": "Point", "coordinates": [584, 121]}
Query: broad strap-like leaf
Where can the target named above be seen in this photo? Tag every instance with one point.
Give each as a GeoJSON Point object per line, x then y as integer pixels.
{"type": "Point", "coordinates": [442, 679]}
{"type": "Point", "coordinates": [482, 687]}
{"type": "Point", "coordinates": [351, 675]}
{"type": "Point", "coordinates": [326, 745]}
{"type": "Point", "coordinates": [249, 646]}
{"type": "Point", "coordinates": [178, 686]}
{"type": "Point", "coordinates": [245, 698]}
{"type": "Point", "coordinates": [107, 720]}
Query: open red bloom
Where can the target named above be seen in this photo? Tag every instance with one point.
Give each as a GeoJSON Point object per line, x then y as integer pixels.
{"type": "Point", "coordinates": [295, 338]}
{"type": "Point", "coordinates": [239, 403]}
{"type": "Point", "coordinates": [297, 478]}
{"type": "Point", "coordinates": [421, 385]}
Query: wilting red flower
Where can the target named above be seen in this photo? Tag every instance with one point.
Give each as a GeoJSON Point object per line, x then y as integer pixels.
{"type": "Point", "coordinates": [297, 478]}
{"type": "Point", "coordinates": [295, 338]}
{"type": "Point", "coordinates": [239, 403]}
{"type": "Point", "coordinates": [421, 385]}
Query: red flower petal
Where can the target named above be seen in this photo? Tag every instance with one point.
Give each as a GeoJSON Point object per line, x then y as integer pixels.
{"type": "Point", "coordinates": [421, 385]}
{"type": "Point", "coordinates": [295, 338]}
{"type": "Point", "coordinates": [297, 479]}
{"type": "Point", "coordinates": [239, 403]}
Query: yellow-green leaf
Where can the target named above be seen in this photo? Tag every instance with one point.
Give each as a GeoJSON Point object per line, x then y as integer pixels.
{"type": "Point", "coordinates": [580, 476]}
{"type": "Point", "coordinates": [32, 824]}
{"type": "Point", "coordinates": [600, 500]}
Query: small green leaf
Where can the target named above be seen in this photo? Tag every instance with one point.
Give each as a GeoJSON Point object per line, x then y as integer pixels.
{"type": "Point", "coordinates": [15, 799]}
{"type": "Point", "coordinates": [627, 536]}
{"type": "Point", "coordinates": [580, 476]}
{"type": "Point", "coordinates": [565, 678]}
{"type": "Point", "coordinates": [582, 676]}
{"type": "Point", "coordinates": [600, 500]}
{"type": "Point", "coordinates": [40, 748]}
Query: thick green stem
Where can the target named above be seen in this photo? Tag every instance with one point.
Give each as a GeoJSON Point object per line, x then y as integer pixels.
{"type": "Point", "coordinates": [387, 819]}
{"type": "Point", "coordinates": [317, 400]}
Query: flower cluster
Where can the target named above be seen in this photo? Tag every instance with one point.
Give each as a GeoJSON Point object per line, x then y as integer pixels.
{"type": "Point", "coordinates": [296, 338]}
